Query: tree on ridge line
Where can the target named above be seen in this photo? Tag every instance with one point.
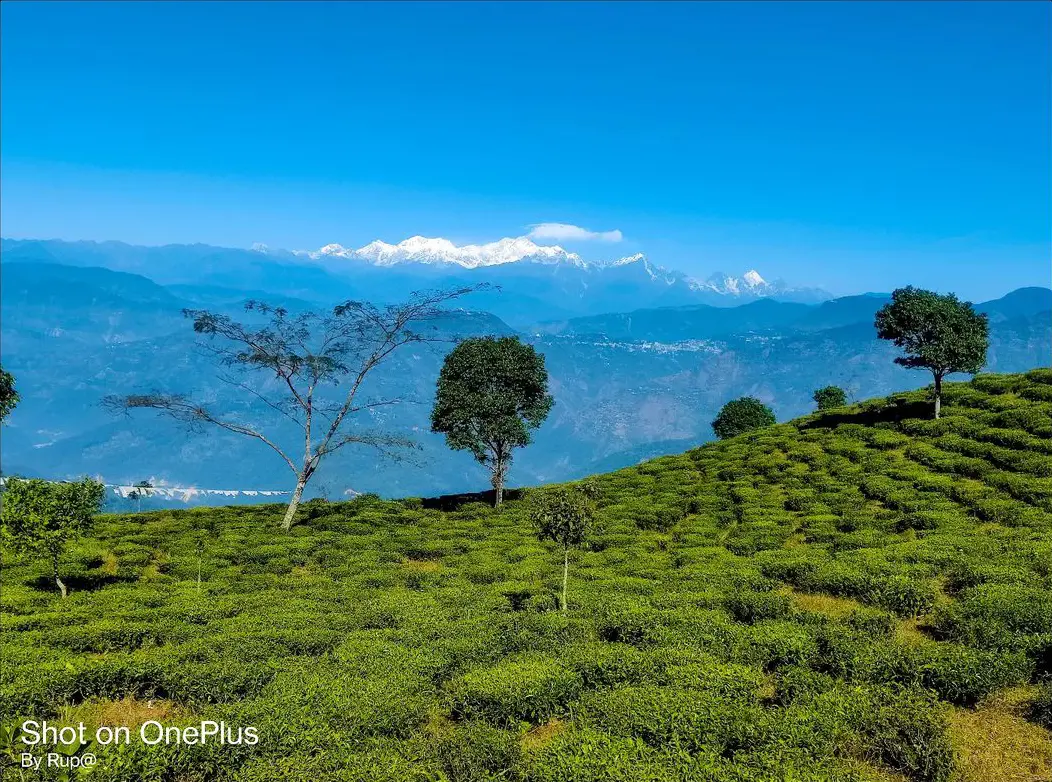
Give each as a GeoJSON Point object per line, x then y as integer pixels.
{"type": "Point", "coordinates": [491, 393]}
{"type": "Point", "coordinates": [742, 415]}
{"type": "Point", "coordinates": [140, 490]}
{"type": "Point", "coordinates": [829, 397]}
{"type": "Point", "coordinates": [937, 332]}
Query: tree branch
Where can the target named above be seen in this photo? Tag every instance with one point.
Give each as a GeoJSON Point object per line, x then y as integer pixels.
{"type": "Point", "coordinates": [178, 407]}
{"type": "Point", "coordinates": [261, 398]}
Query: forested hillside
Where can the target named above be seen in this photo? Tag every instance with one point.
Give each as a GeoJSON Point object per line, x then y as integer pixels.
{"type": "Point", "coordinates": [860, 594]}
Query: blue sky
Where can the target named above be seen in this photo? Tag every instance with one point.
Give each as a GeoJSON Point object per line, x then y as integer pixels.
{"type": "Point", "coordinates": [855, 146]}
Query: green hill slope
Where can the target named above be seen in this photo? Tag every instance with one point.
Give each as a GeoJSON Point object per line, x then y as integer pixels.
{"type": "Point", "coordinates": [864, 594]}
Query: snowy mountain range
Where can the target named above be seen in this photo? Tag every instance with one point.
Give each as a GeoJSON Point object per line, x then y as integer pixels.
{"type": "Point", "coordinates": [529, 283]}
{"type": "Point", "coordinates": [440, 252]}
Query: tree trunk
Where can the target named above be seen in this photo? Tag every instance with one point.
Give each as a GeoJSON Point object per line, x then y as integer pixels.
{"type": "Point", "coordinates": [290, 514]}
{"type": "Point", "coordinates": [199, 575]}
{"type": "Point", "coordinates": [938, 395]}
{"type": "Point", "coordinates": [500, 467]}
{"type": "Point", "coordinates": [566, 574]}
{"type": "Point", "coordinates": [58, 581]}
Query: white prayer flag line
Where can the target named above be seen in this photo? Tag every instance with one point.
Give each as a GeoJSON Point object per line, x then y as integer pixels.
{"type": "Point", "coordinates": [179, 492]}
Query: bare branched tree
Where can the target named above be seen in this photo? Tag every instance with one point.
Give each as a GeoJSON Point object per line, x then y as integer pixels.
{"type": "Point", "coordinates": [302, 353]}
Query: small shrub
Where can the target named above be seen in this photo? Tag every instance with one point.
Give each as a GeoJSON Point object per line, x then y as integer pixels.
{"type": "Point", "coordinates": [903, 595]}
{"type": "Point", "coordinates": [475, 751]}
{"type": "Point", "coordinates": [749, 607]}
{"type": "Point", "coordinates": [797, 682]}
{"type": "Point", "coordinates": [636, 626]}
{"type": "Point", "coordinates": [872, 623]}
{"type": "Point", "coordinates": [908, 732]}
{"type": "Point", "coordinates": [995, 615]}
{"type": "Point", "coordinates": [774, 644]}
{"type": "Point", "coordinates": [740, 416]}
{"type": "Point", "coordinates": [965, 676]}
{"type": "Point", "coordinates": [532, 689]}
{"type": "Point", "coordinates": [610, 664]}
{"type": "Point", "coordinates": [664, 716]}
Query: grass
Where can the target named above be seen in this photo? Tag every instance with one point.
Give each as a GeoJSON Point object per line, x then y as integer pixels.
{"type": "Point", "coordinates": [858, 595]}
{"type": "Point", "coordinates": [542, 735]}
{"type": "Point", "coordinates": [827, 605]}
{"type": "Point", "coordinates": [129, 712]}
{"type": "Point", "coordinates": [997, 744]}
{"type": "Point", "coordinates": [909, 631]}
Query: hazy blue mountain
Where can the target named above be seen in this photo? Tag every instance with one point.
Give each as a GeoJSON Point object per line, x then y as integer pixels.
{"type": "Point", "coordinates": [671, 324]}
{"type": "Point", "coordinates": [94, 304]}
{"type": "Point", "coordinates": [205, 296]}
{"type": "Point", "coordinates": [842, 312]}
{"type": "Point", "coordinates": [1020, 303]}
{"type": "Point", "coordinates": [91, 286]}
{"type": "Point", "coordinates": [194, 264]}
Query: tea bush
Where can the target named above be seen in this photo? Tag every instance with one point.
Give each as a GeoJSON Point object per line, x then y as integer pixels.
{"type": "Point", "coordinates": [908, 732]}
{"type": "Point", "coordinates": [528, 689]}
{"type": "Point", "coordinates": [751, 606]}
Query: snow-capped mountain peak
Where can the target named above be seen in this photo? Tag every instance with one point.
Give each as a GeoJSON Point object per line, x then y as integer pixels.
{"type": "Point", "coordinates": [376, 248]}
{"type": "Point", "coordinates": [629, 259]}
{"type": "Point", "coordinates": [654, 271]}
{"type": "Point", "coordinates": [749, 283]}
{"type": "Point", "coordinates": [753, 279]}
{"type": "Point", "coordinates": [335, 249]}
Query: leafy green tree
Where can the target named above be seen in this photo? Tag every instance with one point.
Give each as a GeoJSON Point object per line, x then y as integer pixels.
{"type": "Point", "coordinates": [830, 397]}
{"type": "Point", "coordinates": [40, 517]}
{"type": "Point", "coordinates": [8, 395]}
{"type": "Point", "coordinates": [937, 332]}
{"type": "Point", "coordinates": [565, 516]}
{"type": "Point", "coordinates": [288, 361]}
{"type": "Point", "coordinates": [491, 393]}
{"type": "Point", "coordinates": [742, 415]}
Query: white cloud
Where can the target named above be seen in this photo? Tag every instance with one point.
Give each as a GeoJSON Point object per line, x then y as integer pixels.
{"type": "Point", "coordinates": [562, 232]}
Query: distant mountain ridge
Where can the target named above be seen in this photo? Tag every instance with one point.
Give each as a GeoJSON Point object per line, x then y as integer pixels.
{"type": "Point", "coordinates": [701, 321]}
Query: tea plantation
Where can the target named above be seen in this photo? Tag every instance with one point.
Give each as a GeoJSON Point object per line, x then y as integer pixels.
{"type": "Point", "coordinates": [861, 594]}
